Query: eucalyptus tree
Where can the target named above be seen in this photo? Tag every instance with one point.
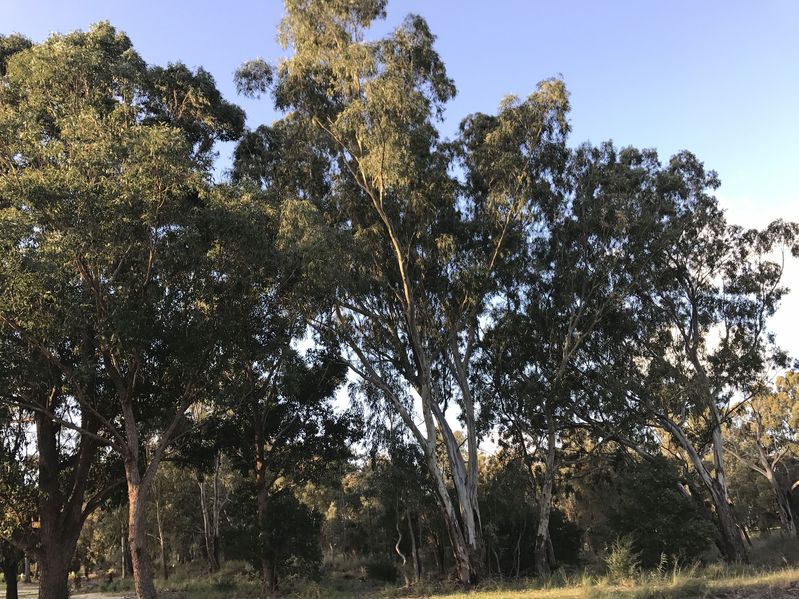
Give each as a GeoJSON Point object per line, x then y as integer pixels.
{"type": "Point", "coordinates": [285, 434]}
{"type": "Point", "coordinates": [588, 251]}
{"type": "Point", "coordinates": [17, 494]}
{"type": "Point", "coordinates": [72, 474]}
{"type": "Point", "coordinates": [764, 436]}
{"type": "Point", "coordinates": [108, 270]}
{"type": "Point", "coordinates": [416, 252]}
{"type": "Point", "coordinates": [276, 423]}
{"type": "Point", "coordinates": [702, 337]}
{"type": "Point", "coordinates": [280, 429]}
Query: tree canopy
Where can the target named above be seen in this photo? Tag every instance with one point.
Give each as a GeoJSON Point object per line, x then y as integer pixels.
{"type": "Point", "coordinates": [485, 355]}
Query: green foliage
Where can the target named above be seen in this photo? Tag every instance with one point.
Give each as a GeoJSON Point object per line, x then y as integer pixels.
{"type": "Point", "coordinates": [510, 520]}
{"type": "Point", "coordinates": [415, 251]}
{"type": "Point", "coordinates": [622, 561]}
{"type": "Point", "coordinates": [292, 535]}
{"type": "Point", "coordinates": [573, 298]}
{"type": "Point", "coordinates": [10, 45]}
{"type": "Point", "coordinates": [382, 570]}
{"type": "Point", "coordinates": [655, 518]}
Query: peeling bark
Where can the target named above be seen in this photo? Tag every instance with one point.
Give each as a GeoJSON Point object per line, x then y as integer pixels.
{"type": "Point", "coordinates": [137, 537]}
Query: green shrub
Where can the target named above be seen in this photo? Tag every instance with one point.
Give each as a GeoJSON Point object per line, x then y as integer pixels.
{"type": "Point", "coordinates": [622, 561]}
{"type": "Point", "coordinates": [658, 518]}
{"type": "Point", "coordinates": [382, 570]}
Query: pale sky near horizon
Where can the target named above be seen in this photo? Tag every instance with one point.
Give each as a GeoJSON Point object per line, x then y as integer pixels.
{"type": "Point", "coordinates": [717, 77]}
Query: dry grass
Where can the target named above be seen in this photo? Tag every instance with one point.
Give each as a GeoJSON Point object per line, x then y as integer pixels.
{"type": "Point", "coordinates": [710, 583]}
{"type": "Point", "coordinates": [713, 582]}
{"type": "Point", "coordinates": [771, 576]}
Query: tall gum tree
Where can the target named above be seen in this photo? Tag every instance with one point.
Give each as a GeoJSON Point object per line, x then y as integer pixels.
{"type": "Point", "coordinates": [765, 435]}
{"type": "Point", "coordinates": [702, 330]}
{"type": "Point", "coordinates": [108, 268]}
{"type": "Point", "coordinates": [585, 255]}
{"type": "Point", "coordinates": [418, 251]}
{"type": "Point", "coordinates": [277, 423]}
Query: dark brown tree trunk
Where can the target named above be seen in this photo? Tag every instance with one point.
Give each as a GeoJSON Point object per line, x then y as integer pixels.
{"type": "Point", "coordinates": [60, 518]}
{"type": "Point", "coordinates": [269, 586]}
{"type": "Point", "coordinates": [53, 557]}
{"type": "Point", "coordinates": [63, 506]}
{"type": "Point", "coordinates": [53, 576]}
{"type": "Point", "coordinates": [11, 575]}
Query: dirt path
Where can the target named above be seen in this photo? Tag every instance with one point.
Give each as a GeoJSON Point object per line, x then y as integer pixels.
{"type": "Point", "coordinates": [30, 591]}
{"type": "Point", "coordinates": [789, 591]}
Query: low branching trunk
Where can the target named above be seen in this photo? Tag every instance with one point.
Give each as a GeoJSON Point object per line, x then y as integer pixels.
{"type": "Point", "coordinates": [467, 569]}
{"type": "Point", "coordinates": [464, 523]}
{"type": "Point", "coordinates": [140, 484]}
{"type": "Point", "coordinates": [61, 519]}
{"type": "Point", "coordinates": [731, 542]}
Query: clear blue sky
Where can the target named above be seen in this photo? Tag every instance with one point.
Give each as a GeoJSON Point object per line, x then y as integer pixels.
{"type": "Point", "coordinates": [718, 77]}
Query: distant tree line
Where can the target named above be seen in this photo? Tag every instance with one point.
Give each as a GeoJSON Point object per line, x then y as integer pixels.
{"type": "Point", "coordinates": [176, 350]}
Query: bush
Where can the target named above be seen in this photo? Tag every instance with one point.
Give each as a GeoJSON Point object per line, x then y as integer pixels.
{"type": "Point", "coordinates": [657, 518]}
{"type": "Point", "coordinates": [382, 570]}
{"type": "Point", "coordinates": [293, 533]}
{"type": "Point", "coordinates": [510, 521]}
{"type": "Point", "coordinates": [622, 561]}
